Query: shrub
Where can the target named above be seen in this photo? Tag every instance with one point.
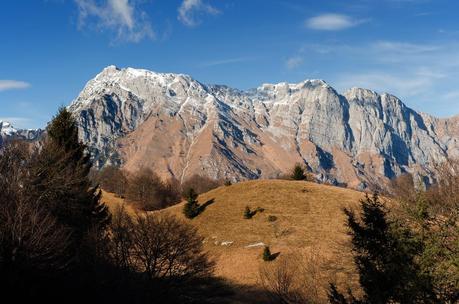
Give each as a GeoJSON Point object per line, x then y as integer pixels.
{"type": "Point", "coordinates": [272, 218]}
{"type": "Point", "coordinates": [248, 214]}
{"type": "Point", "coordinates": [267, 256]}
{"type": "Point", "coordinates": [228, 183]}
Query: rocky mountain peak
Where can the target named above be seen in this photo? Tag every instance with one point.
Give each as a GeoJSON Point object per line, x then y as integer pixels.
{"type": "Point", "coordinates": [9, 132]}
{"type": "Point", "coordinates": [6, 128]}
{"type": "Point", "coordinates": [178, 126]}
{"type": "Point", "coordinates": [361, 94]}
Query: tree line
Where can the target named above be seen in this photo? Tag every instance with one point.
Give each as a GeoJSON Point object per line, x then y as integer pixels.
{"type": "Point", "coordinates": [147, 190]}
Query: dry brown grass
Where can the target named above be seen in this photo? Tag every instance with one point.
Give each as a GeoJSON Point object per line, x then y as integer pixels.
{"type": "Point", "coordinates": [112, 201]}
{"type": "Point", "coordinates": [309, 219]}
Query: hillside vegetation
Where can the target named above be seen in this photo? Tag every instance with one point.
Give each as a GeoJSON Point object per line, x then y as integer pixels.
{"type": "Point", "coordinates": [309, 224]}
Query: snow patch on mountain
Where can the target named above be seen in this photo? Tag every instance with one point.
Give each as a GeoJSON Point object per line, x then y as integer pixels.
{"type": "Point", "coordinates": [8, 132]}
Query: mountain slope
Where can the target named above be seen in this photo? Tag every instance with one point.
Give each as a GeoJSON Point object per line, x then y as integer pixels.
{"type": "Point", "coordinates": [180, 127]}
{"type": "Point", "coordinates": [310, 222]}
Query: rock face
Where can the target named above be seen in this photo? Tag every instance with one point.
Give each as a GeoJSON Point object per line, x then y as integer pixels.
{"type": "Point", "coordinates": [180, 127]}
{"type": "Point", "coordinates": [8, 132]}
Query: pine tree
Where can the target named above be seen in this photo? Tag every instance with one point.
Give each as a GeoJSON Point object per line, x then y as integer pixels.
{"type": "Point", "coordinates": [298, 173]}
{"type": "Point", "coordinates": [191, 209]}
{"type": "Point", "coordinates": [385, 259]}
{"type": "Point", "coordinates": [247, 213]}
{"type": "Point", "coordinates": [267, 256]}
{"type": "Point", "coordinates": [59, 180]}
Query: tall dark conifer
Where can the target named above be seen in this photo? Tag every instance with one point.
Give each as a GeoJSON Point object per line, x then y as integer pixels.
{"type": "Point", "coordinates": [60, 183]}
{"type": "Point", "coordinates": [191, 208]}
{"type": "Point", "coordinates": [385, 256]}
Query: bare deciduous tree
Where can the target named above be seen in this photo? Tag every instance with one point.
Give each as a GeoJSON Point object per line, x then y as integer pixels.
{"type": "Point", "coordinates": [121, 230]}
{"type": "Point", "coordinates": [30, 237]}
{"type": "Point", "coordinates": [293, 278]}
{"type": "Point", "coordinates": [200, 184]}
{"type": "Point", "coordinates": [113, 180]}
{"type": "Point", "coordinates": [161, 246]}
{"type": "Point", "coordinates": [150, 192]}
{"type": "Point", "coordinates": [164, 247]}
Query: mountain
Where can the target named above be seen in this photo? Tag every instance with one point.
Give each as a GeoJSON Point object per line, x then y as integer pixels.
{"type": "Point", "coordinates": [179, 127]}
{"type": "Point", "coordinates": [8, 132]}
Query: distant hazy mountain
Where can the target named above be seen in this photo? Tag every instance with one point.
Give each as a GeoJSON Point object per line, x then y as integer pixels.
{"type": "Point", "coordinates": [8, 132]}
{"type": "Point", "coordinates": [179, 127]}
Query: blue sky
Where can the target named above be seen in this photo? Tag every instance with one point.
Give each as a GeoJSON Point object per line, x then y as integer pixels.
{"type": "Point", "coordinates": [49, 49]}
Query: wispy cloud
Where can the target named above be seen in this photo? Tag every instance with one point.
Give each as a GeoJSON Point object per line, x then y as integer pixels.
{"type": "Point", "coordinates": [13, 85]}
{"type": "Point", "coordinates": [404, 47]}
{"type": "Point", "coordinates": [122, 18]}
{"type": "Point", "coordinates": [332, 22]}
{"type": "Point", "coordinates": [423, 74]}
{"type": "Point", "coordinates": [190, 11]}
{"type": "Point", "coordinates": [405, 84]}
{"type": "Point", "coordinates": [452, 96]}
{"type": "Point", "coordinates": [294, 62]}
{"type": "Point", "coordinates": [226, 61]}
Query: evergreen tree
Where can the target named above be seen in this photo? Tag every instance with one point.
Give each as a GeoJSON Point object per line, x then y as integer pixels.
{"type": "Point", "coordinates": [298, 173]}
{"type": "Point", "coordinates": [191, 209]}
{"type": "Point", "coordinates": [59, 180]}
{"type": "Point", "coordinates": [385, 259]}
{"type": "Point", "coordinates": [267, 256]}
{"type": "Point", "coordinates": [248, 214]}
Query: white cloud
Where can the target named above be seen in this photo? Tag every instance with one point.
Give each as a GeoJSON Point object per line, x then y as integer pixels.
{"type": "Point", "coordinates": [332, 22]}
{"type": "Point", "coordinates": [122, 17]}
{"type": "Point", "coordinates": [404, 47]}
{"type": "Point", "coordinates": [189, 11]}
{"type": "Point", "coordinates": [227, 61]}
{"type": "Point", "coordinates": [13, 85]}
{"type": "Point", "coordinates": [423, 74]}
{"type": "Point", "coordinates": [406, 85]}
{"type": "Point", "coordinates": [452, 95]}
{"type": "Point", "coordinates": [294, 62]}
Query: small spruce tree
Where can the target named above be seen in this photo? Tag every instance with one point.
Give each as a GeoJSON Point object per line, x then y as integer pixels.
{"type": "Point", "coordinates": [247, 213]}
{"type": "Point", "coordinates": [298, 173]}
{"type": "Point", "coordinates": [267, 256]}
{"type": "Point", "coordinates": [191, 209]}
